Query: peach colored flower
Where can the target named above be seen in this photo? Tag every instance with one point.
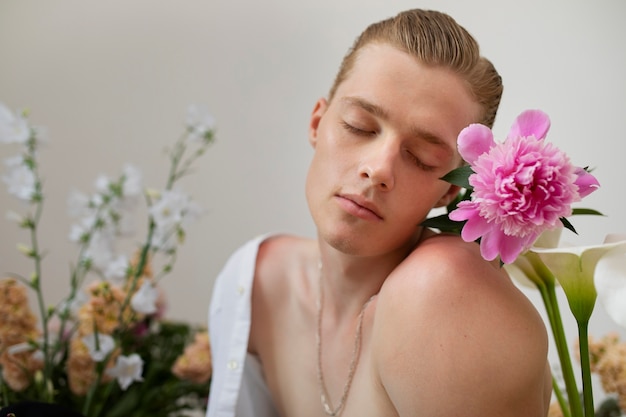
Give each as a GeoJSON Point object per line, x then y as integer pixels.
{"type": "Point", "coordinates": [17, 328]}
{"type": "Point", "coordinates": [81, 368]}
{"type": "Point", "coordinates": [147, 268]}
{"type": "Point", "coordinates": [608, 360]}
{"type": "Point", "coordinates": [17, 321]}
{"type": "Point", "coordinates": [555, 410]}
{"type": "Point", "coordinates": [81, 371]}
{"type": "Point", "coordinates": [103, 309]}
{"type": "Point", "coordinates": [18, 369]}
{"type": "Point", "coordinates": [195, 362]}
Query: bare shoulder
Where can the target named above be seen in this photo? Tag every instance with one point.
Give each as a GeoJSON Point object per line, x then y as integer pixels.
{"type": "Point", "coordinates": [274, 289]}
{"type": "Point", "coordinates": [466, 341]}
{"type": "Point", "coordinates": [280, 256]}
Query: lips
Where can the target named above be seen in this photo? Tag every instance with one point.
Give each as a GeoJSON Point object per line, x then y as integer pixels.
{"type": "Point", "coordinates": [359, 206]}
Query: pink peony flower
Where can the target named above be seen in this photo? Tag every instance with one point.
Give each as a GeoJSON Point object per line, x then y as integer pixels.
{"type": "Point", "coordinates": [521, 187]}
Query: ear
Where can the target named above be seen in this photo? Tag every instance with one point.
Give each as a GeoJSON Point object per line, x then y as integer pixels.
{"type": "Point", "coordinates": [445, 199]}
{"type": "Point", "coordinates": [316, 116]}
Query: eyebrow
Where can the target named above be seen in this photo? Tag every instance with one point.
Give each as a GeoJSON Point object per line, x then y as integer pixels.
{"type": "Point", "coordinates": [366, 105]}
{"type": "Point", "coordinates": [382, 113]}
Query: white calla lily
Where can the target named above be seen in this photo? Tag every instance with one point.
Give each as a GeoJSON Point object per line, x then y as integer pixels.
{"type": "Point", "coordinates": [610, 280]}
{"type": "Point", "coordinates": [574, 268]}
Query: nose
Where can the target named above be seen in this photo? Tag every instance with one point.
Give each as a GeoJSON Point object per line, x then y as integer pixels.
{"type": "Point", "coordinates": [377, 166]}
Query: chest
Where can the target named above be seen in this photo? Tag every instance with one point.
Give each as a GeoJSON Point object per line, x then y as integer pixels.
{"type": "Point", "coordinates": [290, 359]}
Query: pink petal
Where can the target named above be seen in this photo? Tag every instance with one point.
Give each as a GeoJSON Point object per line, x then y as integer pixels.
{"type": "Point", "coordinates": [475, 227]}
{"type": "Point", "coordinates": [530, 123]}
{"type": "Point", "coordinates": [464, 210]}
{"type": "Point", "coordinates": [586, 182]}
{"type": "Point", "coordinates": [490, 244]}
{"type": "Point", "coordinates": [510, 248]}
{"type": "Point", "coordinates": [473, 141]}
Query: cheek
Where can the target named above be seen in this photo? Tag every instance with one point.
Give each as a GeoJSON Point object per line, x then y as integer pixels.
{"type": "Point", "coordinates": [419, 196]}
{"type": "Point", "coordinates": [316, 177]}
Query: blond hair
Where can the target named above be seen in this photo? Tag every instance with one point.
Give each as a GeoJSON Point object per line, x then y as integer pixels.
{"type": "Point", "coordinates": [436, 39]}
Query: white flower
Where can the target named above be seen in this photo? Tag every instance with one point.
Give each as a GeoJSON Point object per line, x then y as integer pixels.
{"type": "Point", "coordinates": [610, 280]}
{"type": "Point", "coordinates": [96, 200]}
{"type": "Point", "coordinates": [132, 186]}
{"type": "Point", "coordinates": [144, 300]}
{"type": "Point", "coordinates": [199, 122]}
{"type": "Point", "coordinates": [575, 268]}
{"type": "Point", "coordinates": [526, 269]}
{"type": "Point", "coordinates": [127, 369]}
{"type": "Point", "coordinates": [14, 217]}
{"type": "Point", "coordinates": [36, 355]}
{"type": "Point", "coordinates": [100, 249]}
{"type": "Point", "coordinates": [99, 345]}
{"type": "Point", "coordinates": [20, 179]}
{"type": "Point", "coordinates": [116, 269]}
{"type": "Point", "coordinates": [78, 203]}
{"type": "Point", "coordinates": [71, 306]}
{"type": "Point", "coordinates": [78, 230]}
{"type": "Point", "coordinates": [171, 211]}
{"type": "Point", "coordinates": [13, 129]}
{"type": "Point", "coordinates": [20, 348]}
{"type": "Point", "coordinates": [102, 184]}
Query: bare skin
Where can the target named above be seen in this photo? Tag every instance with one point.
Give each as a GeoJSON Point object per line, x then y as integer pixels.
{"type": "Point", "coordinates": [447, 334]}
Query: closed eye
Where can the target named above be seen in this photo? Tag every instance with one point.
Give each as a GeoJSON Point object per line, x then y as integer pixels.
{"type": "Point", "coordinates": [419, 163]}
{"type": "Point", "coordinates": [356, 130]}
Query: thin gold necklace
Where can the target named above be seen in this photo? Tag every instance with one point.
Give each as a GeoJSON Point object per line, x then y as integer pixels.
{"type": "Point", "coordinates": [326, 402]}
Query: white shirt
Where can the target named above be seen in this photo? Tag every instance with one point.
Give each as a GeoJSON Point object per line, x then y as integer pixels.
{"type": "Point", "coordinates": [238, 387]}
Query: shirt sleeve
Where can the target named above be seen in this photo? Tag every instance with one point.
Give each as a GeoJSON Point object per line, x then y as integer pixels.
{"type": "Point", "coordinates": [229, 329]}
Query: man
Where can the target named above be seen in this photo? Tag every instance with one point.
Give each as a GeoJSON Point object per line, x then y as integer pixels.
{"type": "Point", "coordinates": [379, 316]}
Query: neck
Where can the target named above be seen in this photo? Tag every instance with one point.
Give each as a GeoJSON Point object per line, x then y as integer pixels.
{"type": "Point", "coordinates": [349, 281]}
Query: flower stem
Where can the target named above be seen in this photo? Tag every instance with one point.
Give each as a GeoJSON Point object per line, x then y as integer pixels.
{"type": "Point", "coordinates": [38, 200]}
{"type": "Point", "coordinates": [548, 294]}
{"type": "Point", "coordinates": [583, 341]}
{"type": "Point", "coordinates": [559, 397]}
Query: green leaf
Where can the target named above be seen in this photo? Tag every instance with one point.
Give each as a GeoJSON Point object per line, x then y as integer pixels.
{"type": "Point", "coordinates": [568, 225]}
{"type": "Point", "coordinates": [586, 211]}
{"type": "Point", "coordinates": [463, 195]}
{"type": "Point", "coordinates": [125, 404]}
{"type": "Point", "coordinates": [443, 223]}
{"type": "Point", "coordinates": [459, 176]}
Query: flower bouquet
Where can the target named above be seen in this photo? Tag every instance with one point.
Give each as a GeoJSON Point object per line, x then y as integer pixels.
{"type": "Point", "coordinates": [517, 198]}
{"type": "Point", "coordinates": [105, 349]}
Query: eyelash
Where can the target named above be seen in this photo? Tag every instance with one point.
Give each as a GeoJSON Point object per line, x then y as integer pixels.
{"type": "Point", "coordinates": [356, 130]}
{"type": "Point", "coordinates": [420, 164]}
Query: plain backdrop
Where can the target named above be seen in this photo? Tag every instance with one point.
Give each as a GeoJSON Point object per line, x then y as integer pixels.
{"type": "Point", "coordinates": [111, 80]}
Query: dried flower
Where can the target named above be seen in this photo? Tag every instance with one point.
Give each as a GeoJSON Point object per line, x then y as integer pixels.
{"type": "Point", "coordinates": [195, 363]}
{"type": "Point", "coordinates": [80, 368]}
{"type": "Point", "coordinates": [608, 359]}
{"type": "Point", "coordinates": [19, 367]}
{"type": "Point", "coordinates": [17, 321]}
{"type": "Point", "coordinates": [555, 410]}
{"type": "Point", "coordinates": [102, 312]}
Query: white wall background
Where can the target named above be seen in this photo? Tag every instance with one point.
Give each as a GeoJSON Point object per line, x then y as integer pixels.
{"type": "Point", "coordinates": [111, 81]}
